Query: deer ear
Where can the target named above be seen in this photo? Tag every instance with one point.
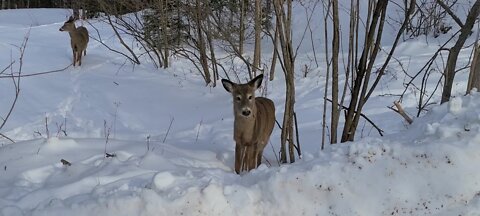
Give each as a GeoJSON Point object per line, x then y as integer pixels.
{"type": "Point", "coordinates": [256, 82]}
{"type": "Point", "coordinates": [228, 85]}
{"type": "Point", "coordinates": [70, 19]}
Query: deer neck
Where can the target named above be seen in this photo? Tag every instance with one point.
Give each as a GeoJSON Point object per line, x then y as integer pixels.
{"type": "Point", "coordinates": [244, 128]}
{"type": "Point", "coordinates": [74, 33]}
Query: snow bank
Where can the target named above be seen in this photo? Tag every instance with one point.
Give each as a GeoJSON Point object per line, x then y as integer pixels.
{"type": "Point", "coordinates": [433, 171]}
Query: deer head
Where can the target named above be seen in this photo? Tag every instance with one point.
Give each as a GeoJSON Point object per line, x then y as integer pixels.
{"type": "Point", "coordinates": [69, 25]}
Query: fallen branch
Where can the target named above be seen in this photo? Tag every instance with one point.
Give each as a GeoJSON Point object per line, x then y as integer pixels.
{"type": "Point", "coordinates": [34, 74]}
{"type": "Point", "coordinates": [401, 111]}
{"type": "Point", "coordinates": [6, 137]}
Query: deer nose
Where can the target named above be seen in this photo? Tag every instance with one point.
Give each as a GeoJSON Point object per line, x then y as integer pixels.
{"type": "Point", "coordinates": [246, 112]}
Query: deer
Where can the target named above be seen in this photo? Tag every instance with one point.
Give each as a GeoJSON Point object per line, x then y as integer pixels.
{"type": "Point", "coordinates": [78, 39]}
{"type": "Point", "coordinates": [254, 119]}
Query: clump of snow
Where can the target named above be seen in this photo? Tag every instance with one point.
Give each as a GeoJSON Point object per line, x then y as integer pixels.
{"type": "Point", "coordinates": [455, 105]}
{"type": "Point", "coordinates": [163, 180]}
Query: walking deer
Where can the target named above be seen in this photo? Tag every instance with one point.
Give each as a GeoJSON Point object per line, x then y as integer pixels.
{"type": "Point", "coordinates": [253, 123]}
{"type": "Point", "coordinates": [78, 39]}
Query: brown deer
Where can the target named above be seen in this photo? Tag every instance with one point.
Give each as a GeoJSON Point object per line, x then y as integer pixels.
{"type": "Point", "coordinates": [253, 123]}
{"type": "Point", "coordinates": [78, 39]}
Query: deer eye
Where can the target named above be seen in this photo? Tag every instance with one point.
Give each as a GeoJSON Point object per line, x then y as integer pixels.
{"type": "Point", "coordinates": [250, 97]}
{"type": "Point", "coordinates": [238, 98]}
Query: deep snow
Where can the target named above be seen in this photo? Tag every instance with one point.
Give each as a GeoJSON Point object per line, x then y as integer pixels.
{"type": "Point", "coordinates": [428, 168]}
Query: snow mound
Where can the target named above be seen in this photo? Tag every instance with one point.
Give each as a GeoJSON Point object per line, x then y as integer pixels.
{"type": "Point", "coordinates": [434, 172]}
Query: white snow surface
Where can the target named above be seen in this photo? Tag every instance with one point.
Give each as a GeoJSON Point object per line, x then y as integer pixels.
{"type": "Point", "coordinates": [172, 139]}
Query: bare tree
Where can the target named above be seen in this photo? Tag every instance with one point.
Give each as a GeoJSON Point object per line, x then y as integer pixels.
{"type": "Point", "coordinates": [474, 75]}
{"type": "Point", "coordinates": [283, 23]}
{"type": "Point", "coordinates": [326, 12]}
{"type": "Point", "coordinates": [362, 91]}
{"type": "Point", "coordinates": [335, 64]}
{"type": "Point", "coordinates": [465, 31]}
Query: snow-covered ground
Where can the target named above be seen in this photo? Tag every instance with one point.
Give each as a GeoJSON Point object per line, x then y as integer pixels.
{"type": "Point", "coordinates": [172, 139]}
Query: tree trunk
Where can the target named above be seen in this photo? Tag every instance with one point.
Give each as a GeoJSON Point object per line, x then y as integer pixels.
{"type": "Point", "coordinates": [326, 13]}
{"type": "Point", "coordinates": [211, 47]}
{"type": "Point", "coordinates": [164, 22]}
{"type": "Point", "coordinates": [242, 27]}
{"type": "Point", "coordinates": [283, 23]}
{"type": "Point", "coordinates": [474, 76]}
{"type": "Point", "coordinates": [455, 50]}
{"type": "Point", "coordinates": [335, 51]}
{"type": "Point", "coordinates": [258, 30]}
{"type": "Point", "coordinates": [201, 43]}
{"type": "Point", "coordinates": [275, 55]}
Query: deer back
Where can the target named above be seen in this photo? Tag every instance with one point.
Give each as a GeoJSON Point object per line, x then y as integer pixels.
{"type": "Point", "coordinates": [82, 34]}
{"type": "Point", "coordinates": [264, 120]}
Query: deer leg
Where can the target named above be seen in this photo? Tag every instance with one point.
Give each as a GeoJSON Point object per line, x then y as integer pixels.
{"type": "Point", "coordinates": [239, 153]}
{"type": "Point", "coordinates": [251, 157]}
{"type": "Point", "coordinates": [245, 159]}
{"type": "Point", "coordinates": [85, 52]}
{"type": "Point", "coordinates": [74, 58]}
{"type": "Point", "coordinates": [79, 55]}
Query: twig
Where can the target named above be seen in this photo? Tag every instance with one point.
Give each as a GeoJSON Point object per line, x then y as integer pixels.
{"type": "Point", "coordinates": [198, 131]}
{"type": "Point", "coordinates": [132, 59]}
{"type": "Point", "coordinates": [275, 153]}
{"type": "Point", "coordinates": [135, 58]}
{"type": "Point", "coordinates": [278, 124]}
{"type": "Point", "coordinates": [46, 128]}
{"type": "Point", "coordinates": [6, 68]}
{"type": "Point", "coordinates": [268, 162]}
{"type": "Point", "coordinates": [299, 151]}
{"type": "Point", "coordinates": [107, 136]}
{"type": "Point", "coordinates": [148, 143]}
{"type": "Point", "coordinates": [380, 131]}
{"type": "Point", "coordinates": [6, 137]}
{"type": "Point", "coordinates": [168, 130]}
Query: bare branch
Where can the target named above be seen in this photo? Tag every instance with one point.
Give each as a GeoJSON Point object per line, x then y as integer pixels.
{"type": "Point", "coordinates": [16, 83]}
{"type": "Point", "coordinates": [380, 131]}
{"type": "Point", "coordinates": [34, 74]}
{"type": "Point", "coordinates": [450, 12]}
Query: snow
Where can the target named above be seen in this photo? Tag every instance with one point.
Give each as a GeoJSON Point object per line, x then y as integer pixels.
{"type": "Point", "coordinates": [173, 146]}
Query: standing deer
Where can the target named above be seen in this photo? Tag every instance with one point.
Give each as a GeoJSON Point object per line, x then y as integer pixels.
{"type": "Point", "coordinates": [253, 124]}
{"type": "Point", "coordinates": [78, 39]}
